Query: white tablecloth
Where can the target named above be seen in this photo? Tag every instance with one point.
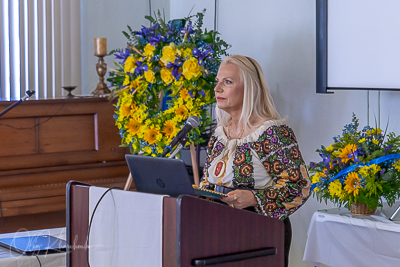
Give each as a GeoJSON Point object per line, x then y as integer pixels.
{"type": "Point", "coordinates": [13, 259]}
{"type": "Point", "coordinates": [338, 239]}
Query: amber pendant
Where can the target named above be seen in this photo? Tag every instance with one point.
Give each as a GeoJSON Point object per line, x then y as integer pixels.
{"type": "Point", "coordinates": [219, 168]}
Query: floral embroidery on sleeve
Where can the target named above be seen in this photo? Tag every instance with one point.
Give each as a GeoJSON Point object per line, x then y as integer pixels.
{"type": "Point", "coordinates": [278, 151]}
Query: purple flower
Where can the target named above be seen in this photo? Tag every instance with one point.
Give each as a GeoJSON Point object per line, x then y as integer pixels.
{"type": "Point", "coordinates": [156, 39]}
{"type": "Point", "coordinates": [202, 55]}
{"type": "Point", "coordinates": [144, 32]}
{"type": "Point", "coordinates": [355, 154]}
{"type": "Point", "coordinates": [387, 148]}
{"type": "Point", "coordinates": [280, 152]}
{"type": "Point", "coordinates": [141, 68]}
{"type": "Point", "coordinates": [274, 139]}
{"type": "Point", "coordinates": [312, 165]}
{"type": "Point", "coordinates": [175, 68]}
{"type": "Point", "coordinates": [326, 160]}
{"type": "Point", "coordinates": [285, 160]}
{"type": "Point", "coordinates": [202, 93]}
{"type": "Point", "coordinates": [269, 131]}
{"type": "Point", "coordinates": [122, 55]}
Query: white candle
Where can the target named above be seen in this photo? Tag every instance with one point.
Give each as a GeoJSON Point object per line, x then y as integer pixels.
{"type": "Point", "coordinates": [100, 46]}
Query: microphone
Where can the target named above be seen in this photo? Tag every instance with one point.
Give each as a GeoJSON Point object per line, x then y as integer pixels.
{"type": "Point", "coordinates": [191, 123]}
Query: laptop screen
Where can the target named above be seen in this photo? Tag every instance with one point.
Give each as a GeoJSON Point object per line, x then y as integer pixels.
{"type": "Point", "coordinates": [160, 175]}
{"type": "Point", "coordinates": [30, 245]}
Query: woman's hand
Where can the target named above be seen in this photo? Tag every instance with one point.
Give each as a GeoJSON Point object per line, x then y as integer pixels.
{"type": "Point", "coordinates": [240, 199]}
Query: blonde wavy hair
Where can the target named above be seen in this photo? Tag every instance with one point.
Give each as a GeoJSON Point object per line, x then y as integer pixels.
{"type": "Point", "coordinates": [257, 102]}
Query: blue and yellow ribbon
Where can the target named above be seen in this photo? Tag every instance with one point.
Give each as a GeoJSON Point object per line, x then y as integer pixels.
{"type": "Point", "coordinates": [352, 167]}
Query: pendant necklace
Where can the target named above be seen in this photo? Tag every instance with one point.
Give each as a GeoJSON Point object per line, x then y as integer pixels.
{"type": "Point", "coordinates": [220, 166]}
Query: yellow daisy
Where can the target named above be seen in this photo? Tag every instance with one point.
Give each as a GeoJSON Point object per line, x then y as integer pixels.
{"type": "Point", "coordinates": [181, 111]}
{"type": "Point", "coordinates": [330, 148]}
{"type": "Point", "coordinates": [346, 151]}
{"type": "Point", "coordinates": [125, 110]}
{"type": "Point", "coordinates": [374, 131]}
{"type": "Point", "coordinates": [335, 188]}
{"type": "Point", "coordinates": [184, 94]}
{"type": "Point", "coordinates": [396, 165]}
{"type": "Point", "coordinates": [150, 136]}
{"type": "Point", "coordinates": [133, 126]}
{"type": "Point", "coordinates": [352, 183]}
{"type": "Point", "coordinates": [169, 128]}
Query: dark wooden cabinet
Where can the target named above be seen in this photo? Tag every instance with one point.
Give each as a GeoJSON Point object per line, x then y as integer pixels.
{"type": "Point", "coordinates": [46, 143]}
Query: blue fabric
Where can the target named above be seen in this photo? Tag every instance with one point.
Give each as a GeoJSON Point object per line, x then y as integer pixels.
{"type": "Point", "coordinates": [352, 167]}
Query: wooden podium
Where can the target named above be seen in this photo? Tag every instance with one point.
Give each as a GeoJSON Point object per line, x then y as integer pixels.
{"type": "Point", "coordinates": [196, 232]}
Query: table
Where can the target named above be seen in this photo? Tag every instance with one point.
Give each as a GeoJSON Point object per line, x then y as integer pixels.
{"type": "Point", "coordinates": [337, 238]}
{"type": "Point", "coordinates": [13, 259]}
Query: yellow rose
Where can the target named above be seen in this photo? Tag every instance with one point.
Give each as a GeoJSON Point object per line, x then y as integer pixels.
{"type": "Point", "coordinates": [130, 65]}
{"type": "Point", "coordinates": [149, 76]}
{"type": "Point", "coordinates": [148, 50]}
{"type": "Point", "coordinates": [191, 69]}
{"type": "Point", "coordinates": [169, 53]}
{"type": "Point", "coordinates": [166, 76]}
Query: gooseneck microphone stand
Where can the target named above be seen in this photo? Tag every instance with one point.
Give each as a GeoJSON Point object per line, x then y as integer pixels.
{"type": "Point", "coordinates": [28, 95]}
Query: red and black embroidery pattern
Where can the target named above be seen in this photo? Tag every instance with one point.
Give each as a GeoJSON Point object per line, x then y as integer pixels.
{"type": "Point", "coordinates": [243, 167]}
{"type": "Point", "coordinates": [278, 151]}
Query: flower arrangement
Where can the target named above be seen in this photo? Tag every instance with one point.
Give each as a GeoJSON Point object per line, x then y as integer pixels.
{"type": "Point", "coordinates": [359, 167]}
{"type": "Point", "coordinates": [165, 75]}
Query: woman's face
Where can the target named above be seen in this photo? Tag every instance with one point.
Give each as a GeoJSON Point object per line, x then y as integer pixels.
{"type": "Point", "coordinates": [229, 90]}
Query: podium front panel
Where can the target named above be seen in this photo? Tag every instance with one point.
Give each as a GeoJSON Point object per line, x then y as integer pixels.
{"type": "Point", "coordinates": [208, 229]}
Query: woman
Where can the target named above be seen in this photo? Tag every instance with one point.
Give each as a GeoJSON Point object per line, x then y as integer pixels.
{"type": "Point", "coordinates": [253, 156]}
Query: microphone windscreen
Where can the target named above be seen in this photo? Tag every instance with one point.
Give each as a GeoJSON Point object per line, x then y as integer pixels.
{"type": "Point", "coordinates": [194, 121]}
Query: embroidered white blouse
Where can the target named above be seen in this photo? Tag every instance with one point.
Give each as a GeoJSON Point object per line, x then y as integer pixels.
{"type": "Point", "coordinates": [267, 161]}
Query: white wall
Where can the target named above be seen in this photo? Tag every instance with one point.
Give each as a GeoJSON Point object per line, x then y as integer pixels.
{"type": "Point", "coordinates": [280, 35]}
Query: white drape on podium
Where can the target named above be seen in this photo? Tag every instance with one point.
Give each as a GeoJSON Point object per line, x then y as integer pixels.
{"type": "Point", "coordinates": [126, 229]}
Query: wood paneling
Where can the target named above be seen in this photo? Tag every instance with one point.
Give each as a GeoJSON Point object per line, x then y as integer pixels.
{"type": "Point", "coordinates": [49, 112]}
{"type": "Point", "coordinates": [67, 134]}
{"type": "Point", "coordinates": [17, 137]}
{"type": "Point", "coordinates": [46, 143]}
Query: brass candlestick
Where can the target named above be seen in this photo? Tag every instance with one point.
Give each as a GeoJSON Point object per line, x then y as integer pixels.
{"type": "Point", "coordinates": [100, 50]}
{"type": "Point", "coordinates": [101, 68]}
